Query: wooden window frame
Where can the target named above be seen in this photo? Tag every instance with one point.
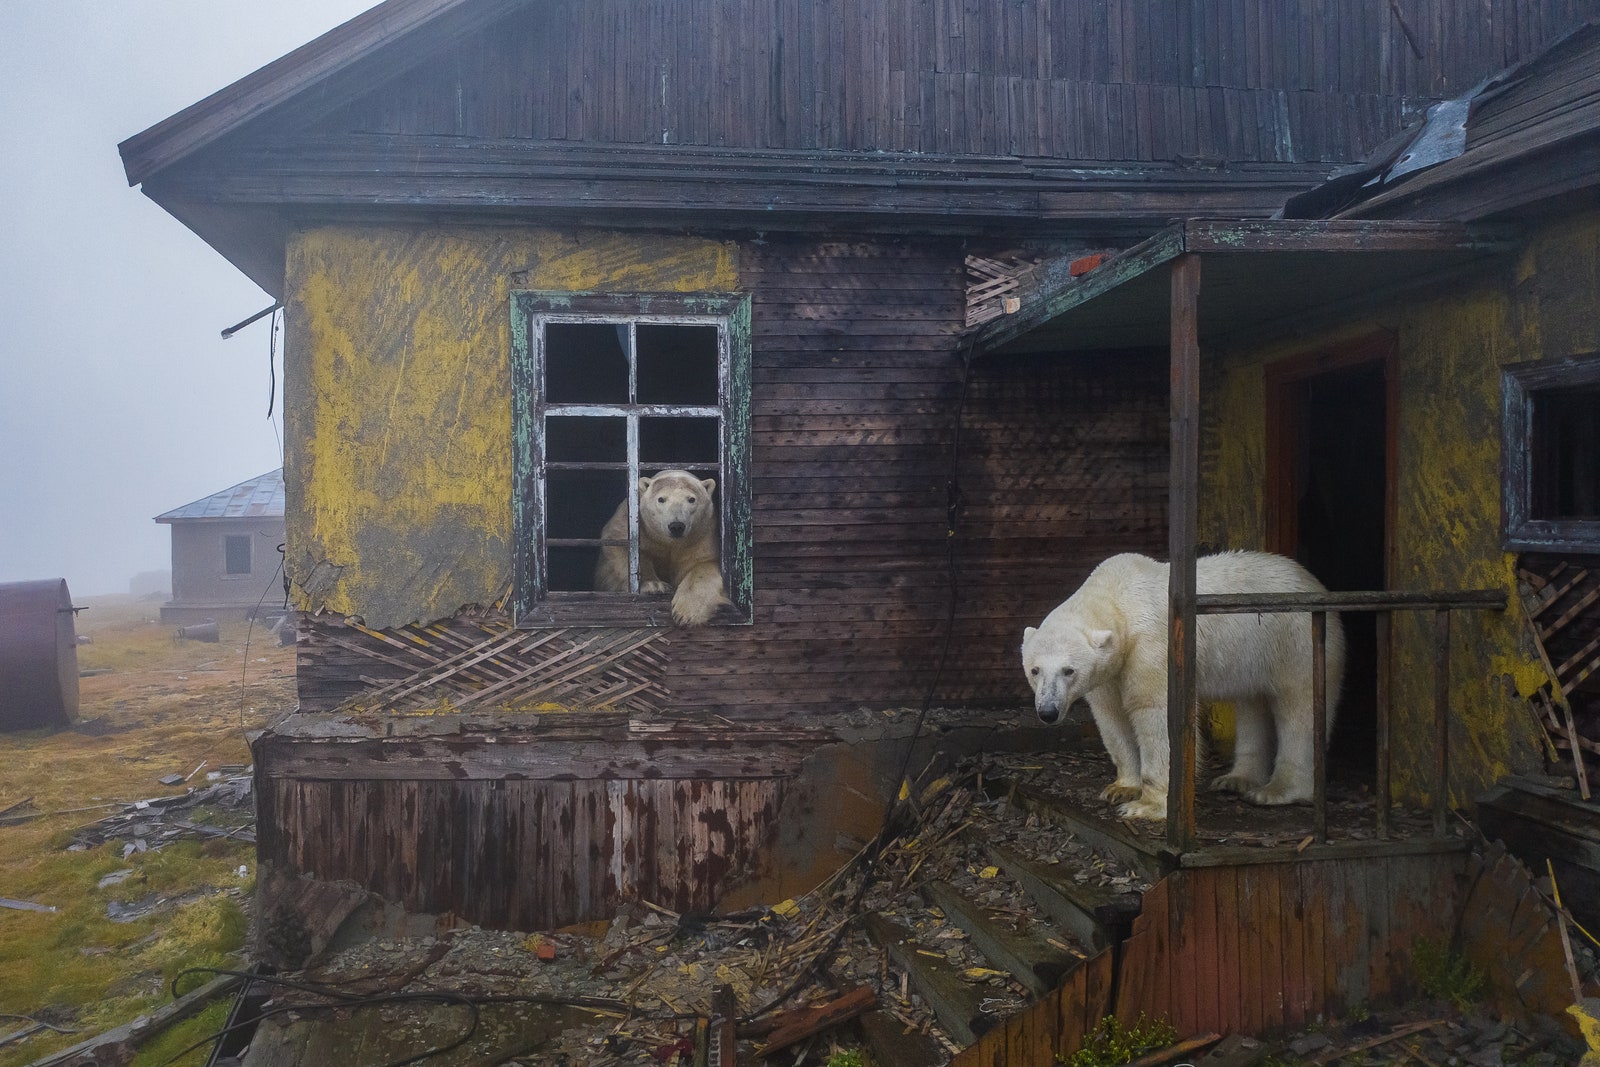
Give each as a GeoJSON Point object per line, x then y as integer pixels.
{"type": "Point", "coordinates": [1520, 383]}
{"type": "Point", "coordinates": [249, 553]}
{"type": "Point", "coordinates": [533, 604]}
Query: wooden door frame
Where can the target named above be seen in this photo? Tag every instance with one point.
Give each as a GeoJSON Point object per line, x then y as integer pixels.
{"type": "Point", "coordinates": [1281, 378]}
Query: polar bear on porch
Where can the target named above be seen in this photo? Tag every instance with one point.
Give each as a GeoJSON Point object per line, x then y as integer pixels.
{"type": "Point", "coordinates": [1107, 644]}
{"type": "Point", "coordinates": [680, 546]}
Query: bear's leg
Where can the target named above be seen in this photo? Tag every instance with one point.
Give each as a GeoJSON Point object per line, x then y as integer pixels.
{"type": "Point", "coordinates": [1105, 704]}
{"type": "Point", "coordinates": [699, 595]}
{"type": "Point", "coordinates": [649, 580]}
{"type": "Point", "coordinates": [611, 570]}
{"type": "Point", "coordinates": [1292, 775]}
{"type": "Point", "coordinates": [1150, 730]}
{"type": "Point", "coordinates": [1253, 736]}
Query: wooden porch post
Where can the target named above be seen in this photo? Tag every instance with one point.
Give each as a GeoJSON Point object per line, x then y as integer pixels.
{"type": "Point", "coordinates": [1183, 518]}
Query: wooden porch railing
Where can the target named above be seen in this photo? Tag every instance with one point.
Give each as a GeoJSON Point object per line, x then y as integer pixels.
{"type": "Point", "coordinates": [1181, 824]}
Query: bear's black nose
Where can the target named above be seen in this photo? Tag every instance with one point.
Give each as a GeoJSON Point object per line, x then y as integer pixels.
{"type": "Point", "coordinates": [676, 529]}
{"type": "Point", "coordinates": [1049, 714]}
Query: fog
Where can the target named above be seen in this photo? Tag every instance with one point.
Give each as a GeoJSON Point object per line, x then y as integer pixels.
{"type": "Point", "coordinates": [118, 399]}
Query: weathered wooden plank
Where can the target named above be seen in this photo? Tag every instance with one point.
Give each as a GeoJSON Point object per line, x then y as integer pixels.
{"type": "Point", "coordinates": [1030, 958]}
{"type": "Point", "coordinates": [956, 1004]}
{"type": "Point", "coordinates": [1093, 916]}
{"type": "Point", "coordinates": [1229, 921]}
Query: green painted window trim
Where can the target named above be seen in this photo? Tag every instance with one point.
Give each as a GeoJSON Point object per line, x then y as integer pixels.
{"type": "Point", "coordinates": [532, 604]}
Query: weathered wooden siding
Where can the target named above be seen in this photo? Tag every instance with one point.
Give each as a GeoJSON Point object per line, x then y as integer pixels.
{"type": "Point", "coordinates": [1257, 948]}
{"type": "Point", "coordinates": [1241, 80]}
{"type": "Point", "coordinates": [1052, 1029]}
{"type": "Point", "coordinates": [858, 377]}
{"type": "Point", "coordinates": [520, 854]}
{"type": "Point", "coordinates": [857, 381]}
{"type": "Point", "coordinates": [1452, 345]}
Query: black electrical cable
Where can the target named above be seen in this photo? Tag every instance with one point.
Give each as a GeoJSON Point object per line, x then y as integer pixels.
{"type": "Point", "coordinates": [272, 361]}
{"type": "Point", "coordinates": [868, 859]}
{"type": "Point", "coordinates": [244, 668]}
{"type": "Point", "coordinates": [343, 999]}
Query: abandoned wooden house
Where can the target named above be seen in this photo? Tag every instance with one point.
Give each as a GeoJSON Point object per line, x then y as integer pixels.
{"type": "Point", "coordinates": [225, 551]}
{"type": "Point", "coordinates": [833, 255]}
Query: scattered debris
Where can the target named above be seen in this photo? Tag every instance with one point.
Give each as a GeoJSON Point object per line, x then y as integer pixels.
{"type": "Point", "coordinates": [115, 878]}
{"type": "Point", "coordinates": [118, 1045]}
{"type": "Point", "coordinates": [20, 812]}
{"type": "Point", "coordinates": [226, 806]}
{"type": "Point", "coordinates": [24, 905]}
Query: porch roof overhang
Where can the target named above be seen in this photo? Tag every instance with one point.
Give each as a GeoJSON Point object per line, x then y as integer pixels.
{"type": "Point", "coordinates": [1198, 282]}
{"type": "Point", "coordinates": [1259, 277]}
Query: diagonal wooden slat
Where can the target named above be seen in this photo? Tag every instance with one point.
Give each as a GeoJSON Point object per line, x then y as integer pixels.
{"type": "Point", "coordinates": [479, 660]}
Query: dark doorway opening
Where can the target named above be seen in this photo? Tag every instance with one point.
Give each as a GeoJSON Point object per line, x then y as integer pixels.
{"type": "Point", "coordinates": [1329, 419]}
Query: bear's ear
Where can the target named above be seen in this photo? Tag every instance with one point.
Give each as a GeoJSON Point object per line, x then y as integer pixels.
{"type": "Point", "coordinates": [1028, 632]}
{"type": "Point", "coordinates": [1101, 639]}
{"type": "Point", "coordinates": [710, 484]}
{"type": "Point", "coordinates": [644, 485]}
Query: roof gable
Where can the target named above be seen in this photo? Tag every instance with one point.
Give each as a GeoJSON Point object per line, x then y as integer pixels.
{"type": "Point", "coordinates": [316, 76]}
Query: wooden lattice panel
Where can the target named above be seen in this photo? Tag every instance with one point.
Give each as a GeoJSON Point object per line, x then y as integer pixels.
{"type": "Point", "coordinates": [1561, 595]}
{"type": "Point", "coordinates": [480, 662]}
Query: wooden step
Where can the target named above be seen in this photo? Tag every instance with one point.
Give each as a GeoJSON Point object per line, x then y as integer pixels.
{"type": "Point", "coordinates": [1036, 963]}
{"type": "Point", "coordinates": [1092, 830]}
{"type": "Point", "coordinates": [957, 1005]}
{"type": "Point", "coordinates": [1093, 915]}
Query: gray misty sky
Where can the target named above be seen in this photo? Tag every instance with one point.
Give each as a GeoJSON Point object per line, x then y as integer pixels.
{"type": "Point", "coordinates": [118, 399]}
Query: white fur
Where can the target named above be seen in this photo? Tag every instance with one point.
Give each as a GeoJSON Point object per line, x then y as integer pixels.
{"type": "Point", "coordinates": [679, 546]}
{"type": "Point", "coordinates": [1107, 643]}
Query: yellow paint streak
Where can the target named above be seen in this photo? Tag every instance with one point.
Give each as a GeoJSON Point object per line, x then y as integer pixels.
{"type": "Point", "coordinates": [398, 404]}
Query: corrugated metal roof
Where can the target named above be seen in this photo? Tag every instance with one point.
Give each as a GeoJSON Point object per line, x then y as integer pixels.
{"type": "Point", "coordinates": [259, 498]}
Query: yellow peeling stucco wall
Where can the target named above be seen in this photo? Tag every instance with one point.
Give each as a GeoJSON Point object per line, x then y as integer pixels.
{"type": "Point", "coordinates": [397, 407]}
{"type": "Point", "coordinates": [1542, 304]}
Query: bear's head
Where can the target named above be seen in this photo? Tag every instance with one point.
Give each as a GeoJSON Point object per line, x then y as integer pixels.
{"type": "Point", "coordinates": [1063, 663]}
{"type": "Point", "coordinates": [675, 506]}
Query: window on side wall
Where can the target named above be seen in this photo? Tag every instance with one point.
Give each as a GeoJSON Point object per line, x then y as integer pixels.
{"type": "Point", "coordinates": [1551, 497]}
{"type": "Point", "coordinates": [608, 392]}
{"type": "Point", "coordinates": [236, 555]}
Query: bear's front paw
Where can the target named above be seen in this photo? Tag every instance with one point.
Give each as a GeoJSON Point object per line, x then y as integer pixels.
{"type": "Point", "coordinates": [693, 614]}
{"type": "Point", "coordinates": [1144, 808]}
{"type": "Point", "coordinates": [654, 587]}
{"type": "Point", "coordinates": [1117, 792]}
{"type": "Point", "coordinates": [1233, 783]}
{"type": "Point", "coordinates": [1274, 794]}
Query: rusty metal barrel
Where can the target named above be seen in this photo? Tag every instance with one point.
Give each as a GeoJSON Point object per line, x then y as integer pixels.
{"type": "Point", "coordinates": [38, 655]}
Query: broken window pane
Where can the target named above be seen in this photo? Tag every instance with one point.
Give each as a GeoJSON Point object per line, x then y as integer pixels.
{"type": "Point", "coordinates": [579, 503]}
{"type": "Point", "coordinates": [579, 439]}
{"type": "Point", "coordinates": [586, 363]}
{"type": "Point", "coordinates": [678, 442]}
{"type": "Point", "coordinates": [1566, 453]}
{"type": "Point", "coordinates": [677, 364]}
{"type": "Point", "coordinates": [571, 568]}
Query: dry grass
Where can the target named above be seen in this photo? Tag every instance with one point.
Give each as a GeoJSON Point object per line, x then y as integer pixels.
{"type": "Point", "coordinates": [164, 707]}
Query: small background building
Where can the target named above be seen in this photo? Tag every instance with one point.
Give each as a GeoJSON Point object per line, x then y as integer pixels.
{"type": "Point", "coordinates": [225, 556]}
